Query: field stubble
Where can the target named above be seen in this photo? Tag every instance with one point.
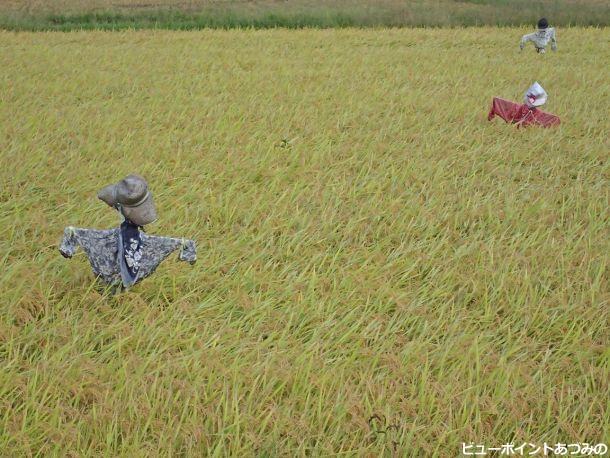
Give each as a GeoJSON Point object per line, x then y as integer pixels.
{"type": "Point", "coordinates": [368, 243]}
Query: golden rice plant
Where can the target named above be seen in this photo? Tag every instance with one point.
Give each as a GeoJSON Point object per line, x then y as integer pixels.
{"type": "Point", "coordinates": [372, 251]}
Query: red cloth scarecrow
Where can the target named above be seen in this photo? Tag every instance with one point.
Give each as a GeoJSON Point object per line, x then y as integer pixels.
{"type": "Point", "coordinates": [521, 114]}
{"type": "Point", "coordinates": [525, 114]}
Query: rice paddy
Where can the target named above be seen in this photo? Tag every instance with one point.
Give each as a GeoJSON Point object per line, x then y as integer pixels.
{"type": "Point", "coordinates": [382, 271]}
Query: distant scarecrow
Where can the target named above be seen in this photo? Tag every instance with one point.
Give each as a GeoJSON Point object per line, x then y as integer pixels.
{"type": "Point", "coordinates": [125, 255]}
{"type": "Point", "coordinates": [541, 37]}
{"type": "Point", "coordinates": [525, 114]}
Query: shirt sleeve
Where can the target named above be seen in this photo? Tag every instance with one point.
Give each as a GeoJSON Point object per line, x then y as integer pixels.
{"type": "Point", "coordinates": [525, 39]}
{"type": "Point", "coordinates": [68, 243]}
{"type": "Point", "coordinates": [188, 252]}
{"type": "Point", "coordinates": [553, 40]}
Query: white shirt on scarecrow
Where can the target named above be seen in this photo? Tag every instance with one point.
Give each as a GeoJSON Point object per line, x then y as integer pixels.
{"type": "Point", "coordinates": [541, 37]}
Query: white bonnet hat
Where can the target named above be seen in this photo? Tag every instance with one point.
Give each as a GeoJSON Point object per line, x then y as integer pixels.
{"type": "Point", "coordinates": [535, 96]}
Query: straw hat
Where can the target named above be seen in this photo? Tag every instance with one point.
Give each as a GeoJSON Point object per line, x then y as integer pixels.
{"type": "Point", "coordinates": [535, 96]}
{"type": "Point", "coordinates": [132, 198]}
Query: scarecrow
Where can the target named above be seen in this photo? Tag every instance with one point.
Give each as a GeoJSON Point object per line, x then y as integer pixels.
{"type": "Point", "coordinates": [525, 114]}
{"type": "Point", "coordinates": [541, 37]}
{"type": "Point", "coordinates": [123, 256]}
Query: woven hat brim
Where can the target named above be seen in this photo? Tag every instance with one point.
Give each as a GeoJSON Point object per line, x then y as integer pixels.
{"type": "Point", "coordinates": [108, 195]}
{"type": "Point", "coordinates": [142, 214]}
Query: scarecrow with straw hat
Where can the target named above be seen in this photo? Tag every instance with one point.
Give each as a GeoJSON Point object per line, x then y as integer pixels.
{"type": "Point", "coordinates": [125, 255]}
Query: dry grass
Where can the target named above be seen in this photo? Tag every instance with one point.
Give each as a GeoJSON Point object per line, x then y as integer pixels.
{"type": "Point", "coordinates": [368, 243]}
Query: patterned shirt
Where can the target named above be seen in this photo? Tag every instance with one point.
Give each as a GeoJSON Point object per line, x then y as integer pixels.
{"type": "Point", "coordinates": [540, 39]}
{"type": "Point", "coordinates": [118, 267]}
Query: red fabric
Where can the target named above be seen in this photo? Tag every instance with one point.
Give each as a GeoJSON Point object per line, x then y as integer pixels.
{"type": "Point", "coordinates": [521, 114]}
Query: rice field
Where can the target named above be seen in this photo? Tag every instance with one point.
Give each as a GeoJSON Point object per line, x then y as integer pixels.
{"type": "Point", "coordinates": [382, 271]}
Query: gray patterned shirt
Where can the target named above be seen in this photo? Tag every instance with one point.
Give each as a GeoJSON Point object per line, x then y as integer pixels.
{"type": "Point", "coordinates": [102, 249]}
{"type": "Point", "coordinates": [540, 39]}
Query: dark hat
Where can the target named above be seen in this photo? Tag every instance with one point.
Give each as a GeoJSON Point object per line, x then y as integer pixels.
{"type": "Point", "coordinates": [543, 23]}
{"type": "Point", "coordinates": [132, 196]}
